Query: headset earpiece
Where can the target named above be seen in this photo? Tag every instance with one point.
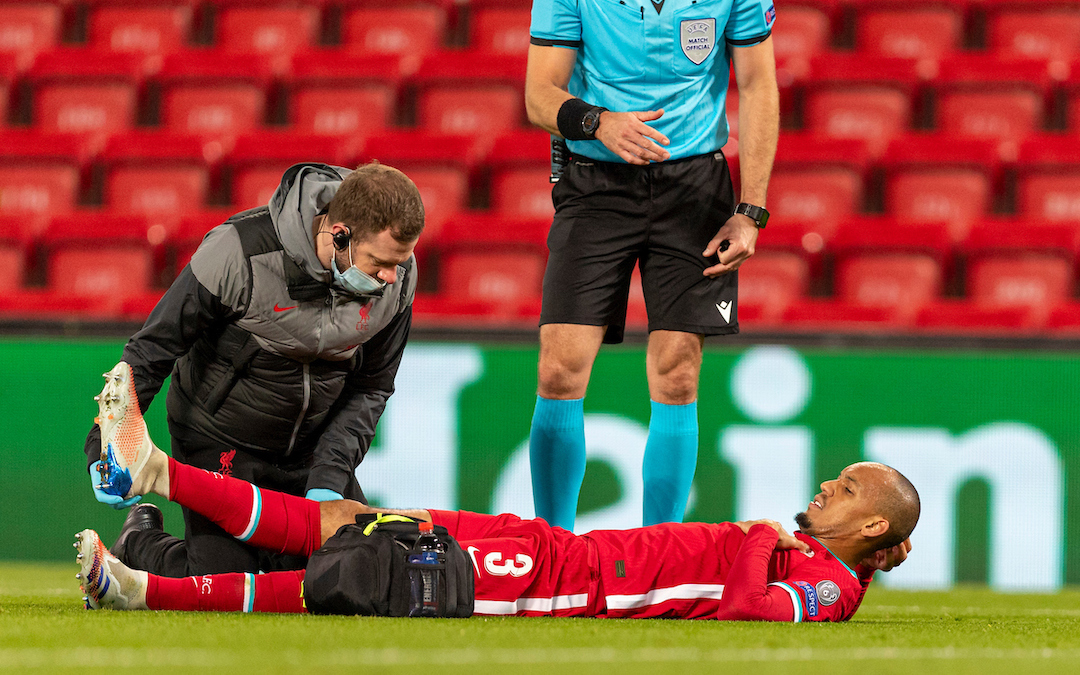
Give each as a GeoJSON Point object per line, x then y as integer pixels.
{"type": "Point", "coordinates": [341, 239]}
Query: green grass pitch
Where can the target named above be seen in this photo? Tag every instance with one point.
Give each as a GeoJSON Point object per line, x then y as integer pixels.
{"type": "Point", "coordinates": [43, 628]}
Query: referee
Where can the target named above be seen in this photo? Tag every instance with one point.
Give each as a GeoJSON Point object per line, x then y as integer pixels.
{"type": "Point", "coordinates": [637, 89]}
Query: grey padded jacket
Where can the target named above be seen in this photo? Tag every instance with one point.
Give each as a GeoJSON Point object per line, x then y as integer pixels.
{"type": "Point", "coordinates": [265, 354]}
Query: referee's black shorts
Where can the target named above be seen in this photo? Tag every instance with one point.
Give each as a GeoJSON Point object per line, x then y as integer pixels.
{"type": "Point", "coordinates": [609, 216]}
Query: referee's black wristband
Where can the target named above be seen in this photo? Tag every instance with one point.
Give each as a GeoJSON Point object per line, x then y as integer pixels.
{"type": "Point", "coordinates": [571, 118]}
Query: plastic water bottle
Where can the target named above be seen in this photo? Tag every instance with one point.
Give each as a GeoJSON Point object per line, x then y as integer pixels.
{"type": "Point", "coordinates": [425, 583]}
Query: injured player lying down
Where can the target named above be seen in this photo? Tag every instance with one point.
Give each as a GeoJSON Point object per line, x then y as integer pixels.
{"type": "Point", "coordinates": [859, 522]}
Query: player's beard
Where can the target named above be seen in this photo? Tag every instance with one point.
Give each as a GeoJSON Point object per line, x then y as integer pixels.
{"type": "Point", "coordinates": [803, 521]}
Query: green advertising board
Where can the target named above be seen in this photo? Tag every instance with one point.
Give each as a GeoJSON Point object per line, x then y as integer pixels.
{"type": "Point", "coordinates": [991, 440]}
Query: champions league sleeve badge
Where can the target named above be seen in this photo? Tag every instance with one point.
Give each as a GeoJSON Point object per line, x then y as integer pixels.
{"type": "Point", "coordinates": [697, 37]}
{"type": "Point", "coordinates": [828, 592]}
{"type": "Point", "coordinates": [770, 15]}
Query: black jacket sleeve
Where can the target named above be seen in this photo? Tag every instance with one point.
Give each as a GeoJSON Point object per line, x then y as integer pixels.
{"type": "Point", "coordinates": [185, 312]}
{"type": "Point", "coordinates": [351, 428]}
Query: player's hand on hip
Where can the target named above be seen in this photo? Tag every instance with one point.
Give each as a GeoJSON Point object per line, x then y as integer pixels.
{"type": "Point", "coordinates": [741, 235]}
{"type": "Point", "coordinates": [627, 135]}
{"type": "Point", "coordinates": [888, 558]}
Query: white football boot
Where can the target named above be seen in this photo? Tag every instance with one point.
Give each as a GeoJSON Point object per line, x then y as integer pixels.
{"type": "Point", "coordinates": [106, 582]}
{"type": "Point", "coordinates": [125, 443]}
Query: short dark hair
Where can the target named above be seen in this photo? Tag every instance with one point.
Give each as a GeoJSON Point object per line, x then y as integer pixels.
{"type": "Point", "coordinates": [900, 506]}
{"type": "Point", "coordinates": [376, 197]}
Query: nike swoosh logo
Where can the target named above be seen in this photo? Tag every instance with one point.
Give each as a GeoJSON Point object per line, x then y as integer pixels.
{"type": "Point", "coordinates": [278, 308]}
{"type": "Point", "coordinates": [725, 310]}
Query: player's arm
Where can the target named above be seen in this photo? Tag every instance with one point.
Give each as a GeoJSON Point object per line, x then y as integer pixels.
{"type": "Point", "coordinates": [624, 133]}
{"type": "Point", "coordinates": [351, 428]}
{"type": "Point", "coordinates": [186, 311]}
{"type": "Point", "coordinates": [759, 128]}
{"type": "Point", "coordinates": [748, 596]}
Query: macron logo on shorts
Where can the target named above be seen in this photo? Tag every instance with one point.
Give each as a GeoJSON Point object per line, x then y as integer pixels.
{"type": "Point", "coordinates": [725, 310]}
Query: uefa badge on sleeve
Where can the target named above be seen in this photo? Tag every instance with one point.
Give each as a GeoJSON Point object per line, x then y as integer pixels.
{"type": "Point", "coordinates": [698, 37]}
{"type": "Point", "coordinates": [770, 15]}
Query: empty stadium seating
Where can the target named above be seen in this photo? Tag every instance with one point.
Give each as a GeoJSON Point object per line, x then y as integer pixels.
{"type": "Point", "coordinates": [940, 178]}
{"type": "Point", "coordinates": [40, 173]}
{"type": "Point", "coordinates": [14, 249]}
{"type": "Point", "coordinates": [1049, 179]}
{"type": "Point", "coordinates": [276, 30]}
{"type": "Point", "coordinates": [914, 29]}
{"type": "Point", "coordinates": [1044, 30]}
{"type": "Point", "coordinates": [157, 174]}
{"type": "Point", "coordinates": [770, 282]}
{"type": "Point", "coordinates": [817, 179]}
{"type": "Point", "coordinates": [150, 30]}
{"type": "Point", "coordinates": [411, 31]}
{"type": "Point", "coordinates": [29, 28]}
{"type": "Point", "coordinates": [339, 93]}
{"type": "Point", "coordinates": [988, 97]}
{"type": "Point", "coordinates": [102, 255]}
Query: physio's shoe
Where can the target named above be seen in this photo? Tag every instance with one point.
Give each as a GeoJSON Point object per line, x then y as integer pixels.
{"type": "Point", "coordinates": [125, 442]}
{"type": "Point", "coordinates": [106, 582]}
{"type": "Point", "coordinates": [140, 517]}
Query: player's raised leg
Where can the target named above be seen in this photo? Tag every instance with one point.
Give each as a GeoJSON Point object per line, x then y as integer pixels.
{"type": "Point", "coordinates": [130, 462]}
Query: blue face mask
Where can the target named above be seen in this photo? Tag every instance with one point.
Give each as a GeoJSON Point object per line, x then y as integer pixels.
{"type": "Point", "coordinates": [354, 281]}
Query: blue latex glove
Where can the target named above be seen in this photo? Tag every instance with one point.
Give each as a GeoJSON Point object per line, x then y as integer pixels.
{"type": "Point", "coordinates": [322, 495]}
{"type": "Point", "coordinates": [114, 501]}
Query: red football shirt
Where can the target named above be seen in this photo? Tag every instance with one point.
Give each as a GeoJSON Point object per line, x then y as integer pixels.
{"type": "Point", "coordinates": [674, 570]}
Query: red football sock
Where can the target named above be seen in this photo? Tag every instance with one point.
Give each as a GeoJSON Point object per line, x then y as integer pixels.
{"type": "Point", "coordinates": [263, 518]}
{"type": "Point", "coordinates": [279, 592]}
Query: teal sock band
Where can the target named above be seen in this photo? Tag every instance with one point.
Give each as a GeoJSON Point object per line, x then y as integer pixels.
{"type": "Point", "coordinates": [670, 461]}
{"type": "Point", "coordinates": [557, 458]}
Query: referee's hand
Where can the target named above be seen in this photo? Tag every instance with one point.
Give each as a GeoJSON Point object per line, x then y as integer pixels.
{"type": "Point", "coordinates": [627, 135]}
{"type": "Point", "coordinates": [741, 233]}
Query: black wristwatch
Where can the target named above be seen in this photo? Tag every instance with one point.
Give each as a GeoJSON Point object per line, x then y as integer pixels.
{"type": "Point", "coordinates": [755, 213]}
{"type": "Point", "coordinates": [591, 121]}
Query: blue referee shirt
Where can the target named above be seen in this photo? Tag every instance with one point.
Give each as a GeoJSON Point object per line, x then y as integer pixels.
{"type": "Point", "coordinates": [636, 55]}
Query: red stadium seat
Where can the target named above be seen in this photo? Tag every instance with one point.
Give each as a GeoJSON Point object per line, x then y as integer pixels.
{"type": "Point", "coordinates": [82, 91]}
{"type": "Point", "coordinates": [1022, 264]}
{"type": "Point", "coordinates": [470, 92]}
{"type": "Point", "coordinates": [522, 192]}
{"type": "Point", "coordinates": [410, 31]}
{"type": "Point", "coordinates": [1064, 320]}
{"type": "Point", "coordinates": [276, 31]}
{"type": "Point", "coordinates": [1049, 31]}
{"type": "Point", "coordinates": [342, 94]}
{"type": "Point", "coordinates": [14, 246]}
{"type": "Point", "coordinates": [40, 173]}
{"type": "Point", "coordinates": [803, 33]}
{"type": "Point", "coordinates": [937, 178]}
{"type": "Point", "coordinates": [152, 30]}
{"type": "Point", "coordinates": [771, 281]}
{"type": "Point", "coordinates": [258, 161]}
{"type": "Point", "coordinates": [830, 315]}
{"type": "Point", "coordinates": [29, 28]}
{"type": "Point", "coordinates": [914, 30]}
{"type": "Point", "coordinates": [817, 179]}
{"type": "Point", "coordinates": [38, 190]}
{"type": "Point", "coordinates": [958, 317]}
{"type": "Point", "coordinates": [504, 278]}
{"type": "Point", "coordinates": [100, 255]}
{"type": "Point", "coordinates": [472, 110]}
{"type": "Point", "coordinates": [986, 97]}
{"type": "Point", "coordinates": [1049, 179]}
{"type": "Point", "coordinates": [214, 94]}
{"type": "Point", "coordinates": [900, 282]}
{"type": "Point", "coordinates": [861, 97]}
{"type": "Point", "coordinates": [490, 232]}
{"type": "Point", "coordinates": [503, 30]}
{"type": "Point", "coordinates": [444, 191]}
{"type": "Point", "coordinates": [38, 304]}
{"type": "Point", "coordinates": [157, 174]}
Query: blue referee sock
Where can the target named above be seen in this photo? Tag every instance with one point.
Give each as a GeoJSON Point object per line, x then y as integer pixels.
{"type": "Point", "coordinates": [670, 460]}
{"type": "Point", "coordinates": [557, 458]}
